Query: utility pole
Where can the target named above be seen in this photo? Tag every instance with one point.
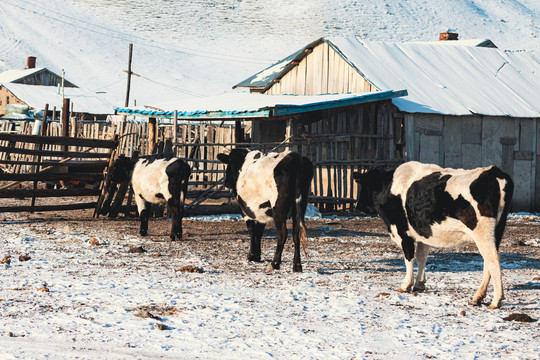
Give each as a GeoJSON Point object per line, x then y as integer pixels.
{"type": "Point", "coordinates": [129, 74]}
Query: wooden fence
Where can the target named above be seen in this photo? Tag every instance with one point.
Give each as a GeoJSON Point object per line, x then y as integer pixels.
{"type": "Point", "coordinates": [334, 157]}
{"type": "Point", "coordinates": [32, 165]}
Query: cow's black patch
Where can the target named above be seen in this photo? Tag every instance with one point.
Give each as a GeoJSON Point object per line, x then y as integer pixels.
{"type": "Point", "coordinates": [464, 212]}
{"type": "Point", "coordinates": [392, 213]}
{"type": "Point", "coordinates": [257, 156]}
{"type": "Point", "coordinates": [428, 203]}
{"type": "Point", "coordinates": [269, 212]}
{"type": "Point", "coordinates": [160, 196]}
{"type": "Point", "coordinates": [178, 169]}
{"type": "Point", "coordinates": [245, 208]}
{"type": "Point", "coordinates": [265, 204]}
{"type": "Point", "coordinates": [140, 195]}
{"type": "Point", "coordinates": [235, 161]}
{"type": "Point", "coordinates": [486, 191]}
{"type": "Point", "coordinates": [121, 170]}
{"type": "Point", "coordinates": [375, 197]}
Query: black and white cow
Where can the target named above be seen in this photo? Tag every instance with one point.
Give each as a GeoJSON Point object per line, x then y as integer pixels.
{"type": "Point", "coordinates": [271, 187]}
{"type": "Point", "coordinates": [425, 205]}
{"type": "Point", "coordinates": [156, 181]}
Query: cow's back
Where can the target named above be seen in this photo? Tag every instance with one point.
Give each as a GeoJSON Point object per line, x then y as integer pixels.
{"type": "Point", "coordinates": [256, 186]}
{"type": "Point", "coordinates": [444, 203]}
{"type": "Point", "coordinates": [149, 176]}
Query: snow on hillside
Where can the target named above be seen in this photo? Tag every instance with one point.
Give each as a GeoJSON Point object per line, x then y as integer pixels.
{"type": "Point", "coordinates": [204, 47]}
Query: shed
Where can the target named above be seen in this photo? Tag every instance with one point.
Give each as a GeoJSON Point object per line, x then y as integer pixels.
{"type": "Point", "coordinates": [469, 103]}
{"type": "Point", "coordinates": [340, 133]}
{"type": "Point", "coordinates": [36, 87]}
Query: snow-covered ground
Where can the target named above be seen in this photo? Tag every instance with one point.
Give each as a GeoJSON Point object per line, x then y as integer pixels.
{"type": "Point", "coordinates": [204, 47]}
{"type": "Point", "coordinates": [82, 294]}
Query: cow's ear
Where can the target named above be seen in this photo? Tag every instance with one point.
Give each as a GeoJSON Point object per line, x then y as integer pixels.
{"type": "Point", "coordinates": [356, 176]}
{"type": "Point", "coordinates": [224, 158]}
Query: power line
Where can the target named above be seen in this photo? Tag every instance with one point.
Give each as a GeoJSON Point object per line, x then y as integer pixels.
{"type": "Point", "coordinates": [144, 41]}
{"type": "Point", "coordinates": [172, 87]}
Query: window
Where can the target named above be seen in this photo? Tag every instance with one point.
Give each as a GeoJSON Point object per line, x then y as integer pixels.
{"type": "Point", "coordinates": [7, 99]}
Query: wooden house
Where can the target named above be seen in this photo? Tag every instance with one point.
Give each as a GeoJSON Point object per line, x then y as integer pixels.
{"type": "Point", "coordinates": [469, 103]}
{"type": "Point", "coordinates": [35, 87]}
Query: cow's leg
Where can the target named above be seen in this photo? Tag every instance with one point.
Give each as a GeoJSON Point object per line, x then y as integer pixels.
{"type": "Point", "coordinates": [482, 290]}
{"type": "Point", "coordinates": [176, 226]}
{"type": "Point", "coordinates": [407, 283]}
{"type": "Point", "coordinates": [176, 206]}
{"type": "Point", "coordinates": [144, 214]}
{"type": "Point", "coordinates": [297, 262]}
{"type": "Point", "coordinates": [492, 268]}
{"type": "Point", "coordinates": [421, 253]}
{"type": "Point", "coordinates": [281, 227]}
{"type": "Point", "coordinates": [407, 245]}
{"type": "Point", "coordinates": [256, 230]}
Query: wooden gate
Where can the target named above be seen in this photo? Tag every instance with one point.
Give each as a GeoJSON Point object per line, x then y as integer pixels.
{"type": "Point", "coordinates": [45, 167]}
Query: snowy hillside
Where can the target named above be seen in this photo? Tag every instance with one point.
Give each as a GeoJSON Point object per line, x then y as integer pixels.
{"type": "Point", "coordinates": [204, 47]}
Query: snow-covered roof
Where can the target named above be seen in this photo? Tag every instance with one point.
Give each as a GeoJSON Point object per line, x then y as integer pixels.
{"type": "Point", "coordinates": [453, 80]}
{"type": "Point", "coordinates": [244, 105]}
{"type": "Point", "coordinates": [14, 75]}
{"type": "Point", "coordinates": [265, 77]}
{"type": "Point", "coordinates": [457, 77]}
{"type": "Point", "coordinates": [36, 96]}
{"type": "Point", "coordinates": [465, 42]}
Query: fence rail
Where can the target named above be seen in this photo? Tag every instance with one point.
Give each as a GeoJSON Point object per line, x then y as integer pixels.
{"type": "Point", "coordinates": [335, 158]}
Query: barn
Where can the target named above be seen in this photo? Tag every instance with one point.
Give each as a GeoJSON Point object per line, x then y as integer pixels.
{"type": "Point", "coordinates": [469, 103]}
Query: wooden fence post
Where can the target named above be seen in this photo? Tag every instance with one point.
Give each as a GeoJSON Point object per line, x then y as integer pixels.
{"type": "Point", "coordinates": [65, 121]}
{"type": "Point", "coordinates": [43, 131]}
{"type": "Point", "coordinates": [152, 135]}
{"type": "Point", "coordinates": [175, 131]}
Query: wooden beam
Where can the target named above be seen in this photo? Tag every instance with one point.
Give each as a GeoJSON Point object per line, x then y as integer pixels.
{"type": "Point", "coordinates": [51, 177]}
{"type": "Point", "coordinates": [60, 140]}
{"type": "Point", "coordinates": [46, 193]}
{"type": "Point", "coordinates": [79, 206]}
{"type": "Point", "coordinates": [70, 154]}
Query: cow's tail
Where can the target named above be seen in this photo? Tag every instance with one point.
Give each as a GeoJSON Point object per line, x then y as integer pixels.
{"type": "Point", "coordinates": [302, 187]}
{"type": "Point", "coordinates": [507, 191]}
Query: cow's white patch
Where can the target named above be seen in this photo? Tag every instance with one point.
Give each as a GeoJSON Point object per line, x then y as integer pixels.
{"type": "Point", "coordinates": [151, 179]}
{"type": "Point", "coordinates": [256, 184]}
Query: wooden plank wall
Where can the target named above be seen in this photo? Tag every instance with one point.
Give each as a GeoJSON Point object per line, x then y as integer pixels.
{"type": "Point", "coordinates": [475, 141]}
{"type": "Point", "coordinates": [341, 142]}
{"type": "Point", "coordinates": [323, 71]}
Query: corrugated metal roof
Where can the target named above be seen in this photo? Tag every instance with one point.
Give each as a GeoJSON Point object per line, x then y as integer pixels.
{"type": "Point", "coordinates": [453, 80]}
{"type": "Point", "coordinates": [251, 106]}
{"type": "Point", "coordinates": [36, 96]}
{"type": "Point", "coordinates": [446, 77]}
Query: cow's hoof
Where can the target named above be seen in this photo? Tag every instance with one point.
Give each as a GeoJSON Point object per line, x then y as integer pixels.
{"type": "Point", "coordinates": [254, 258]}
{"type": "Point", "coordinates": [420, 288]}
{"type": "Point", "coordinates": [494, 305]}
{"type": "Point", "coordinates": [143, 233]}
{"type": "Point", "coordinates": [297, 268]}
{"type": "Point", "coordinates": [475, 302]}
{"type": "Point", "coordinates": [400, 290]}
{"type": "Point", "coordinates": [275, 266]}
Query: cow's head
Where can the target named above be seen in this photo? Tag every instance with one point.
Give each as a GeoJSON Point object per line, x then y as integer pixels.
{"type": "Point", "coordinates": [234, 160]}
{"type": "Point", "coordinates": [121, 170]}
{"type": "Point", "coordinates": [374, 189]}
